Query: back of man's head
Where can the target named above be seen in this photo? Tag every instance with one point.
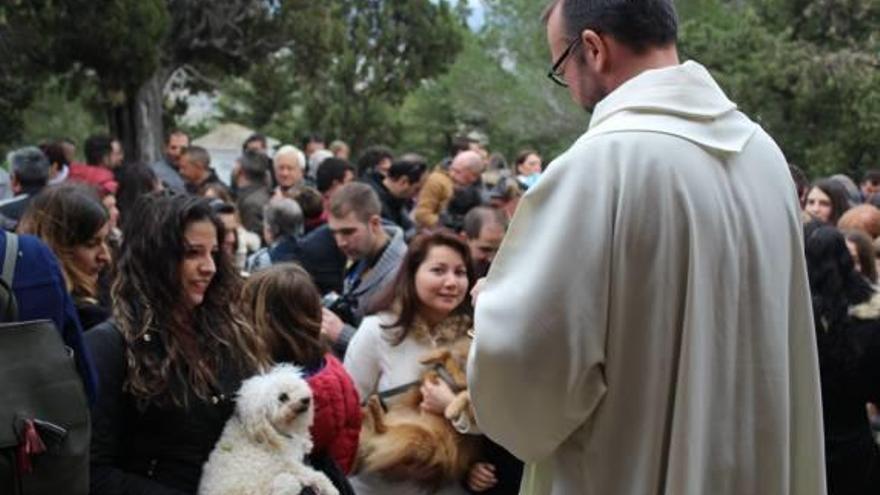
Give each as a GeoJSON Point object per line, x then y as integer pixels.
{"type": "Point", "coordinates": [54, 152]}
{"type": "Point", "coordinates": [254, 167]}
{"type": "Point", "coordinates": [199, 155]}
{"type": "Point", "coordinates": [97, 149]}
{"type": "Point", "coordinates": [331, 170]}
{"type": "Point", "coordinates": [358, 198]}
{"type": "Point", "coordinates": [371, 157]}
{"type": "Point", "coordinates": [637, 24]}
{"type": "Point", "coordinates": [30, 167]}
{"type": "Point", "coordinates": [411, 165]}
{"type": "Point", "coordinates": [310, 201]}
{"type": "Point", "coordinates": [481, 216]}
{"type": "Point", "coordinates": [283, 217]}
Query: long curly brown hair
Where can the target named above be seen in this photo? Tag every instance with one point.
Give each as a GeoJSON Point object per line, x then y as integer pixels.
{"type": "Point", "coordinates": [172, 354]}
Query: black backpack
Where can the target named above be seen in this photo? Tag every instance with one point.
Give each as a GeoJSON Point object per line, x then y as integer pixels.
{"type": "Point", "coordinates": [44, 416]}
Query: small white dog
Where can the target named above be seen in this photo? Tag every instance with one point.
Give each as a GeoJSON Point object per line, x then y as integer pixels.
{"type": "Point", "coordinates": [263, 445]}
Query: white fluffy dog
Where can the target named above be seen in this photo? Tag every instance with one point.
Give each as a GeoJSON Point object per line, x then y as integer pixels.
{"type": "Point", "coordinates": [263, 445]}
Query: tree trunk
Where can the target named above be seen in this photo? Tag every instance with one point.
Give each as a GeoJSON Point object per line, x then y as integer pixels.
{"type": "Point", "coordinates": [137, 122]}
{"type": "Point", "coordinates": [147, 116]}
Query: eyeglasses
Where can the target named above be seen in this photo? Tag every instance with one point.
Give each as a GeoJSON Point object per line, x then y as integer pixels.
{"type": "Point", "coordinates": [556, 75]}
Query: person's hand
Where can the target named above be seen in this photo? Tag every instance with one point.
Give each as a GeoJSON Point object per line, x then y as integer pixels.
{"type": "Point", "coordinates": [481, 477]}
{"type": "Point", "coordinates": [331, 325]}
{"type": "Point", "coordinates": [436, 395]}
{"type": "Point", "coordinates": [475, 292]}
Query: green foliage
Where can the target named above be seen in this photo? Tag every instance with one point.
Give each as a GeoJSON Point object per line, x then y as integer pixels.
{"type": "Point", "coordinates": [497, 87]}
{"type": "Point", "coordinates": [814, 88]}
{"type": "Point", "coordinates": [119, 40]}
{"type": "Point", "coordinates": [350, 67]}
{"type": "Point", "coordinates": [60, 112]}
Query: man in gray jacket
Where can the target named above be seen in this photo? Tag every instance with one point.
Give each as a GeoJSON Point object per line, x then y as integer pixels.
{"type": "Point", "coordinates": [374, 250]}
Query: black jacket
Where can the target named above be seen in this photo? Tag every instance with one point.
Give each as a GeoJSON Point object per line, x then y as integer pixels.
{"type": "Point", "coordinates": [319, 255]}
{"type": "Point", "coordinates": [152, 450]}
{"type": "Point", "coordinates": [849, 364]}
{"type": "Point", "coordinates": [394, 209]}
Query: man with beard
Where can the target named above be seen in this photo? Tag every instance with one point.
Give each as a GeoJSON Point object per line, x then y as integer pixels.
{"type": "Point", "coordinates": [647, 324]}
{"type": "Point", "coordinates": [484, 229]}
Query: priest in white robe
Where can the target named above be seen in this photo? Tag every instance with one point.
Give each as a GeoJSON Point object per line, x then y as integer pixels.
{"type": "Point", "coordinates": [646, 327]}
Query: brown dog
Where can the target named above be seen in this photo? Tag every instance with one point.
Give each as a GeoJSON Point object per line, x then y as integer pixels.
{"type": "Point", "coordinates": [406, 443]}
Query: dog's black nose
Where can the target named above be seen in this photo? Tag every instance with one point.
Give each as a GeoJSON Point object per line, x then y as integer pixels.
{"type": "Point", "coordinates": [306, 401]}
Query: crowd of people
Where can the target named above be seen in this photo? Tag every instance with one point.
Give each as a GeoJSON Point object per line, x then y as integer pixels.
{"type": "Point", "coordinates": [651, 294]}
{"type": "Point", "coordinates": [185, 284]}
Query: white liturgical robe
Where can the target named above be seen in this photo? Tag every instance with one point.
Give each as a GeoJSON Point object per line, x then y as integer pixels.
{"type": "Point", "coordinates": [646, 327]}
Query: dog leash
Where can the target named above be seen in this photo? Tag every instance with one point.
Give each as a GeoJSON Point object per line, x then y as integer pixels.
{"type": "Point", "coordinates": [438, 368]}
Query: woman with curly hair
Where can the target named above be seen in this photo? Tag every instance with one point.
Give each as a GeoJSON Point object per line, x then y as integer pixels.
{"type": "Point", "coordinates": [847, 314]}
{"type": "Point", "coordinates": [173, 356]}
{"type": "Point", "coordinates": [73, 222]}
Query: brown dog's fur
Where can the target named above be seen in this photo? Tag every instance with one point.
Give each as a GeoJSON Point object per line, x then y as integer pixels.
{"type": "Point", "coordinates": [406, 443]}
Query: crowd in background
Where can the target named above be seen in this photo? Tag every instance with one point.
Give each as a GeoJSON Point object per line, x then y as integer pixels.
{"type": "Point", "coordinates": [186, 283]}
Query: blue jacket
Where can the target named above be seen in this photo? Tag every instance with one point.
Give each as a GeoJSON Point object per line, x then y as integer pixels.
{"type": "Point", "coordinates": [41, 294]}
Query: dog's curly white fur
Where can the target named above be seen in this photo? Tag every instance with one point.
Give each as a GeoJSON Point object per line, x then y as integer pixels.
{"type": "Point", "coordinates": [263, 445]}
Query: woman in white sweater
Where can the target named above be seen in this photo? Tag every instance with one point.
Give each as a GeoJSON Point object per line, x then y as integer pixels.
{"type": "Point", "coordinates": [429, 307]}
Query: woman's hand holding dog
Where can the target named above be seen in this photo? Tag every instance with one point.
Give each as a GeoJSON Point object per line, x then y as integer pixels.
{"type": "Point", "coordinates": [436, 395]}
{"type": "Point", "coordinates": [481, 477]}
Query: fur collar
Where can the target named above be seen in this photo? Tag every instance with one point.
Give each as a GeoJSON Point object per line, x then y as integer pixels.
{"type": "Point", "coordinates": [868, 310]}
{"type": "Point", "coordinates": [448, 331]}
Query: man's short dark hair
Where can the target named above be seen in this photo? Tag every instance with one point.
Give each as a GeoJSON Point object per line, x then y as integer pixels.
{"type": "Point", "coordinates": [481, 216]}
{"type": "Point", "coordinates": [461, 143]}
{"type": "Point", "coordinates": [254, 166]}
{"type": "Point", "coordinates": [638, 24]}
{"type": "Point", "coordinates": [175, 132]}
{"type": "Point", "coordinates": [97, 148]}
{"type": "Point", "coordinates": [331, 170]}
{"type": "Point", "coordinates": [355, 197]}
{"type": "Point", "coordinates": [410, 165]}
{"type": "Point", "coordinates": [310, 201]}
{"type": "Point", "coordinates": [371, 157]}
{"type": "Point", "coordinates": [54, 151]}
{"type": "Point", "coordinates": [199, 155]}
{"type": "Point", "coordinates": [311, 137]}
{"type": "Point", "coordinates": [255, 138]}
{"type": "Point", "coordinates": [872, 176]}
{"type": "Point", "coordinates": [30, 167]}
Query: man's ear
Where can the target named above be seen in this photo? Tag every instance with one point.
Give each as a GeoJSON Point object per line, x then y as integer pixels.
{"type": "Point", "coordinates": [595, 50]}
{"type": "Point", "coordinates": [375, 223]}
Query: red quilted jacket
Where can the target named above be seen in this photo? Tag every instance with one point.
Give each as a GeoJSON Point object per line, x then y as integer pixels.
{"type": "Point", "coordinates": [337, 424]}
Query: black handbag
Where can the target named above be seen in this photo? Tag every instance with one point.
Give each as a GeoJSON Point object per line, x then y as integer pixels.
{"type": "Point", "coordinates": [44, 413]}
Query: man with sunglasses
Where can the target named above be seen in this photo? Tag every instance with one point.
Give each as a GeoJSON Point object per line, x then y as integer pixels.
{"type": "Point", "coordinates": [646, 326]}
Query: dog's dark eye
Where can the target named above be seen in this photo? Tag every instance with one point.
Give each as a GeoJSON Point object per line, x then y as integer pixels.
{"type": "Point", "coordinates": [283, 398]}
